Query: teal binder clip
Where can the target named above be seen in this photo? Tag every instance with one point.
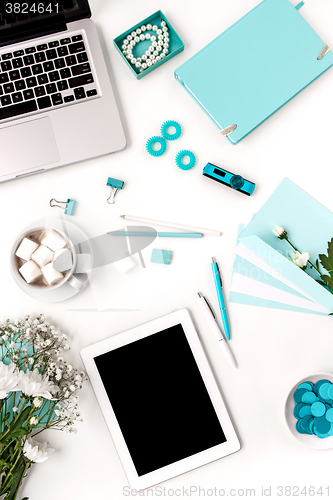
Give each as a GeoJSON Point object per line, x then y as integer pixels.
{"type": "Point", "coordinates": [115, 185]}
{"type": "Point", "coordinates": [69, 205]}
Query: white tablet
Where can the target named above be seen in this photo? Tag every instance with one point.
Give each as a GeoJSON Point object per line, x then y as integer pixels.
{"type": "Point", "coordinates": [160, 400]}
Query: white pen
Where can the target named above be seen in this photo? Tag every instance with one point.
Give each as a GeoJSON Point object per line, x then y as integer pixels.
{"type": "Point", "coordinates": [210, 316]}
{"type": "Point", "coordinates": [174, 225]}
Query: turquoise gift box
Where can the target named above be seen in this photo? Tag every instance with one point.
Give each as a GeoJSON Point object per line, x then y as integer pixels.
{"type": "Point", "coordinates": [176, 45]}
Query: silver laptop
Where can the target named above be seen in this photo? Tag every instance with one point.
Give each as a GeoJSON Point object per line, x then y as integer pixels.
{"type": "Point", "coordinates": [56, 101]}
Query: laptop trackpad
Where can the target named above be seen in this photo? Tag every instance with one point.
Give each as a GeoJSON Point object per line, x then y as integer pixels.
{"type": "Point", "coordinates": [27, 146]}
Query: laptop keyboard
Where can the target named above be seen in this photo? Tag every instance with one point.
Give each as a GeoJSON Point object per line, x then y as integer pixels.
{"type": "Point", "coordinates": [45, 76]}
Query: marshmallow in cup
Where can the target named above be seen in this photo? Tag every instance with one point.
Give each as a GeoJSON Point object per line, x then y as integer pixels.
{"type": "Point", "coordinates": [30, 272]}
{"type": "Point", "coordinates": [26, 248]}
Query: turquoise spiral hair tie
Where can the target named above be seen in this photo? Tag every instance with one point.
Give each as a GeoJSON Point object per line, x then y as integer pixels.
{"type": "Point", "coordinates": [181, 155]}
{"type": "Point", "coordinates": [153, 140]}
{"type": "Point", "coordinates": [164, 130]}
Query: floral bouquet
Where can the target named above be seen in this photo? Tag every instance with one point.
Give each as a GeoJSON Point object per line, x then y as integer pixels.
{"type": "Point", "coordinates": [37, 392]}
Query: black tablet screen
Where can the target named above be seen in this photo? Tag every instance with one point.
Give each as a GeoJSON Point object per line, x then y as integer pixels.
{"type": "Point", "coordinates": [159, 399]}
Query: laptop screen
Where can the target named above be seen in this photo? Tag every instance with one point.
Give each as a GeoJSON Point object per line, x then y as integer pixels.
{"type": "Point", "coordinates": [21, 20]}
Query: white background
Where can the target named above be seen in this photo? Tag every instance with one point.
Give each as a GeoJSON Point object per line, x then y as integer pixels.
{"type": "Point", "coordinates": [274, 349]}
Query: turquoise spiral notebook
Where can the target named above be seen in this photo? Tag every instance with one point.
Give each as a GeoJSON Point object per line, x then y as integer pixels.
{"type": "Point", "coordinates": [255, 67]}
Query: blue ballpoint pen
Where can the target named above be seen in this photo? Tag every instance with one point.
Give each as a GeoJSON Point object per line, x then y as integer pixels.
{"type": "Point", "coordinates": [218, 286]}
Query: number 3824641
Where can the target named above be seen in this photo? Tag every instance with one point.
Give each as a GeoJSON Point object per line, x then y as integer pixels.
{"type": "Point", "coordinates": [36, 7]}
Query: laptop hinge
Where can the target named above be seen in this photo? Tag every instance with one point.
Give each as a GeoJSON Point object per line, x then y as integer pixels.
{"type": "Point", "coordinates": [32, 33]}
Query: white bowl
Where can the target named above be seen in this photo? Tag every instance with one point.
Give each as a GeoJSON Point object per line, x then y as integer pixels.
{"type": "Point", "coordinates": [312, 441]}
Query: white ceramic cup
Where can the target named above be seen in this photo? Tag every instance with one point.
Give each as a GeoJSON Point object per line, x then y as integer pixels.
{"type": "Point", "coordinates": [69, 278]}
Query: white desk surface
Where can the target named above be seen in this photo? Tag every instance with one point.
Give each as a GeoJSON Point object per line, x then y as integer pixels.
{"type": "Point", "coordinates": [274, 348]}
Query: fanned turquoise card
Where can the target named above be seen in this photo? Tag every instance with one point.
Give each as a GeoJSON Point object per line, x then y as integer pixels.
{"type": "Point", "coordinates": [264, 258]}
{"type": "Point", "coordinates": [255, 67]}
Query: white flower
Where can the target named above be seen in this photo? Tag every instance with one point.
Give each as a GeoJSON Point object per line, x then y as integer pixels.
{"type": "Point", "coordinates": [280, 232]}
{"type": "Point", "coordinates": [33, 384]}
{"type": "Point", "coordinates": [33, 421]}
{"type": "Point", "coordinates": [12, 345]}
{"type": "Point", "coordinates": [9, 377]}
{"type": "Point", "coordinates": [70, 430]}
{"type": "Point", "coordinates": [37, 402]}
{"type": "Point", "coordinates": [15, 409]}
{"type": "Point", "coordinates": [300, 259]}
{"type": "Point", "coordinates": [36, 451]}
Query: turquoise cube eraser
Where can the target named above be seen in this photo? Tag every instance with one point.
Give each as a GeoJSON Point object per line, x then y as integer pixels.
{"type": "Point", "coordinates": [160, 256]}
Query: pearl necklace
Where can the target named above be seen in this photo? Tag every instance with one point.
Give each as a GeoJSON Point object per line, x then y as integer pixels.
{"type": "Point", "coordinates": [159, 45]}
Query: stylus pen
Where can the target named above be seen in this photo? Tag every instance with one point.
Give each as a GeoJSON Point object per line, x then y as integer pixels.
{"type": "Point", "coordinates": [154, 233]}
{"type": "Point", "coordinates": [210, 316]}
{"type": "Point", "coordinates": [218, 287]}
